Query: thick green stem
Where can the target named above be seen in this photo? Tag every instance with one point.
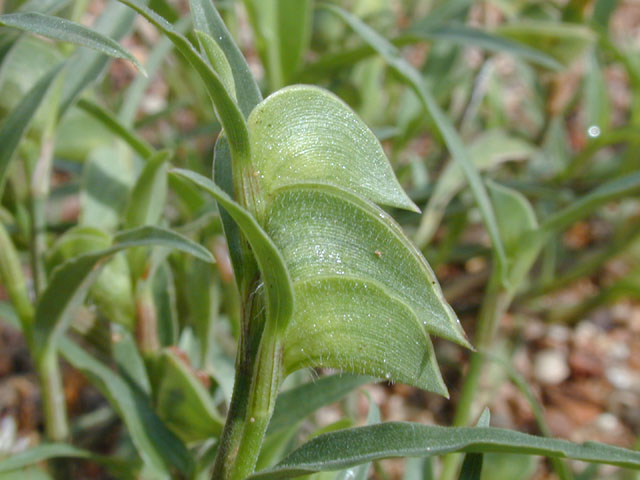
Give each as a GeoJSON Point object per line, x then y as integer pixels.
{"type": "Point", "coordinates": [494, 305]}
{"type": "Point", "coordinates": [258, 377]}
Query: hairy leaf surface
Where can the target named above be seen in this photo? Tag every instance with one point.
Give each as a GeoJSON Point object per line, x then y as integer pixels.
{"type": "Point", "coordinates": [304, 133]}
{"type": "Point", "coordinates": [346, 448]}
{"type": "Point", "coordinates": [324, 231]}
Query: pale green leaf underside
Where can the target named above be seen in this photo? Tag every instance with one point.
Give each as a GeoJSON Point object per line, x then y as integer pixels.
{"type": "Point", "coordinates": [324, 231]}
{"type": "Point", "coordinates": [306, 134]}
{"type": "Point", "coordinates": [355, 325]}
{"type": "Point", "coordinates": [346, 448]}
{"type": "Point", "coordinates": [67, 31]}
{"type": "Point", "coordinates": [275, 276]}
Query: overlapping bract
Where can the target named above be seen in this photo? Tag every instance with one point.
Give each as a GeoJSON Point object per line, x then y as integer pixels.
{"type": "Point", "coordinates": [366, 299]}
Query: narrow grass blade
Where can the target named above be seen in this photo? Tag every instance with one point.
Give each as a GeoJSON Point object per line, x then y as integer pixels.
{"type": "Point", "coordinates": [70, 282]}
{"type": "Point", "coordinates": [58, 28]}
{"type": "Point", "coordinates": [279, 290]}
{"type": "Point", "coordinates": [455, 145]}
{"type": "Point", "coordinates": [159, 448]}
{"type": "Point", "coordinates": [470, 36]}
{"type": "Point", "coordinates": [290, 410]}
{"type": "Point", "coordinates": [47, 451]}
{"type": "Point", "coordinates": [346, 448]}
{"type": "Point", "coordinates": [139, 145]}
{"type": "Point", "coordinates": [228, 111]}
{"type": "Point", "coordinates": [282, 28]}
{"type": "Point", "coordinates": [17, 122]}
{"type": "Point", "coordinates": [207, 19]}
{"type": "Point", "coordinates": [618, 188]}
{"type": "Point", "coordinates": [115, 21]}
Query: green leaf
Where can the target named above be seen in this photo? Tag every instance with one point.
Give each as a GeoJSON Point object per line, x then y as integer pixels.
{"type": "Point", "coordinates": [283, 32]}
{"type": "Point", "coordinates": [519, 231]}
{"type": "Point", "coordinates": [149, 193]}
{"type": "Point", "coordinates": [487, 152]}
{"type": "Point", "coordinates": [472, 465]}
{"type": "Point", "coordinates": [58, 28]}
{"type": "Point", "coordinates": [48, 451]}
{"type": "Point", "coordinates": [218, 61]}
{"type": "Point", "coordinates": [451, 138]}
{"type": "Point", "coordinates": [87, 65]}
{"type": "Point", "coordinates": [477, 38]}
{"type": "Point", "coordinates": [563, 41]}
{"type": "Point", "coordinates": [112, 288]}
{"type": "Point", "coordinates": [354, 446]}
{"type": "Point", "coordinates": [139, 145]}
{"type": "Point", "coordinates": [207, 19]}
{"type": "Point", "coordinates": [361, 471]}
{"type": "Point", "coordinates": [182, 402]}
{"type": "Point", "coordinates": [516, 217]}
{"type": "Point", "coordinates": [71, 281]}
{"type": "Point", "coordinates": [384, 296]}
{"type": "Point", "coordinates": [306, 134]}
{"type": "Point", "coordinates": [228, 111]}
{"type": "Point", "coordinates": [157, 446]}
{"type": "Point", "coordinates": [277, 283]}
{"type": "Point", "coordinates": [107, 178]}
{"type": "Point", "coordinates": [290, 410]}
{"type": "Point", "coordinates": [15, 125]}
{"type": "Point", "coordinates": [609, 191]}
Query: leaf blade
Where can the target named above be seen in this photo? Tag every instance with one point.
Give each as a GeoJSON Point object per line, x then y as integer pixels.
{"type": "Point", "coordinates": [279, 291]}
{"type": "Point", "coordinates": [15, 125]}
{"type": "Point", "coordinates": [70, 282]}
{"type": "Point", "coordinates": [354, 446]}
{"type": "Point", "coordinates": [58, 28]}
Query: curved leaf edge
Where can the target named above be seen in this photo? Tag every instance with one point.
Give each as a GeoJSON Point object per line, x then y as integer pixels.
{"type": "Point", "coordinates": [455, 334]}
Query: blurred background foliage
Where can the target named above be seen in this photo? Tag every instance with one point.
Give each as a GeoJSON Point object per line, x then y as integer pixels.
{"type": "Point", "coordinates": [545, 95]}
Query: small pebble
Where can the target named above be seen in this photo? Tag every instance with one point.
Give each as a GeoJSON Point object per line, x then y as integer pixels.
{"type": "Point", "coordinates": [550, 367]}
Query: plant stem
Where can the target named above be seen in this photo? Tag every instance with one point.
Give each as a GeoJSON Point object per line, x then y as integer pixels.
{"type": "Point", "coordinates": [53, 399]}
{"type": "Point", "coordinates": [258, 377]}
{"type": "Point", "coordinates": [495, 303]}
{"type": "Point", "coordinates": [13, 279]}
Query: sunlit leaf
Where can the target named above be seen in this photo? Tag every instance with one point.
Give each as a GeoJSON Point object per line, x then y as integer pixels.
{"type": "Point", "coordinates": [304, 133]}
